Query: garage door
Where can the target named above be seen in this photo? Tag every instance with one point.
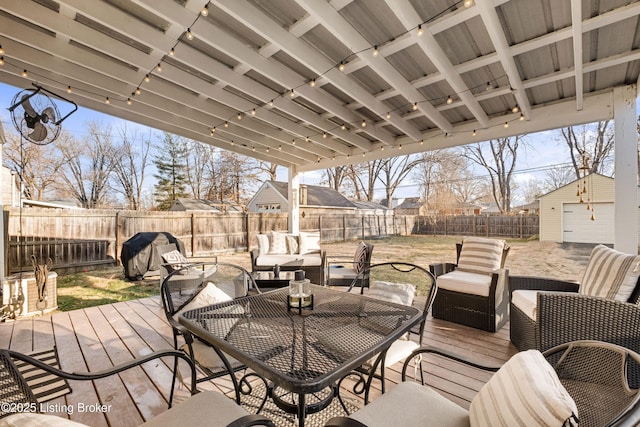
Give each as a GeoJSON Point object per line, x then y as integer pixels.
{"type": "Point", "coordinates": [578, 227]}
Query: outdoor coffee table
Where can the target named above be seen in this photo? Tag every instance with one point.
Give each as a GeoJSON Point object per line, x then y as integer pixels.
{"type": "Point", "coordinates": [267, 279]}
{"type": "Point", "coordinates": [302, 353]}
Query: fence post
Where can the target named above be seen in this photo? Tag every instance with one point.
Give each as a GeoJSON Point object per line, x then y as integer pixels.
{"type": "Point", "coordinates": [320, 226]}
{"type": "Point", "coordinates": [193, 234]}
{"type": "Point", "coordinates": [344, 228]}
{"type": "Point", "coordinates": [362, 226]}
{"type": "Point", "coordinates": [486, 232]}
{"type": "Point", "coordinates": [520, 221]}
{"type": "Point", "coordinates": [117, 237]}
{"type": "Point", "coordinates": [248, 230]}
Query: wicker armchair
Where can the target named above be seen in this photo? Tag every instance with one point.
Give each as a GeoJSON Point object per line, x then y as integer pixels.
{"type": "Point", "coordinates": [591, 372]}
{"type": "Point", "coordinates": [478, 305]}
{"type": "Point", "coordinates": [20, 406]}
{"type": "Point", "coordinates": [548, 312]}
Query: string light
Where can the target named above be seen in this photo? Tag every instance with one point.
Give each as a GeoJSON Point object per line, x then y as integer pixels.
{"type": "Point", "coordinates": [306, 138]}
{"type": "Point", "coordinates": [474, 133]}
{"type": "Point", "coordinates": [271, 103]}
{"type": "Point", "coordinates": [1, 50]}
{"type": "Point", "coordinates": [341, 66]}
{"type": "Point", "coordinates": [1, 60]}
{"type": "Point", "coordinates": [267, 149]}
{"type": "Point", "coordinates": [521, 118]}
{"type": "Point", "coordinates": [388, 115]}
{"type": "Point", "coordinates": [515, 109]}
{"type": "Point", "coordinates": [159, 68]}
{"type": "Point", "coordinates": [137, 91]}
{"type": "Point", "coordinates": [205, 10]}
{"type": "Point", "coordinates": [468, 3]}
{"type": "Point", "coordinates": [364, 124]}
{"type": "Point", "coordinates": [280, 147]}
{"type": "Point", "coordinates": [107, 100]}
{"type": "Point", "coordinates": [129, 102]}
{"type": "Point", "coordinates": [420, 30]}
{"type": "Point", "coordinates": [226, 124]}
{"type": "Point", "coordinates": [292, 93]}
{"type": "Point", "coordinates": [293, 141]}
{"type": "Point", "coordinates": [172, 52]}
{"type": "Point", "coordinates": [213, 130]}
{"type": "Point", "coordinates": [239, 116]}
{"type": "Point", "coordinates": [24, 73]}
{"type": "Point", "coordinates": [343, 127]}
{"type": "Point", "coordinates": [253, 112]}
{"type": "Point", "coordinates": [147, 78]}
{"type": "Point", "coordinates": [415, 106]}
{"type": "Point", "coordinates": [449, 100]}
{"type": "Point", "coordinates": [189, 34]}
{"type": "Point", "coordinates": [506, 125]}
{"type": "Point", "coordinates": [375, 51]}
{"type": "Point", "coordinates": [324, 134]}
{"type": "Point", "coordinates": [69, 89]}
{"type": "Point", "coordinates": [489, 86]}
{"type": "Point", "coordinates": [312, 83]}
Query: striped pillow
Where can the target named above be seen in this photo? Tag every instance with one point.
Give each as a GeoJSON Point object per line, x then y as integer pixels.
{"type": "Point", "coordinates": [526, 391]}
{"type": "Point", "coordinates": [480, 255]}
{"type": "Point", "coordinates": [610, 274]}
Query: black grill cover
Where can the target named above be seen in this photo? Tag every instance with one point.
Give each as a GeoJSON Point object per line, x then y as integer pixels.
{"type": "Point", "coordinates": [139, 254]}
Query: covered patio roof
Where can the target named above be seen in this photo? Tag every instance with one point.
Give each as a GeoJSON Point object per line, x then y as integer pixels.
{"type": "Point", "coordinates": [310, 84]}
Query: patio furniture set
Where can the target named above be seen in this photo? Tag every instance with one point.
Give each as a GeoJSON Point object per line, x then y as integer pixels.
{"type": "Point", "coordinates": [227, 326]}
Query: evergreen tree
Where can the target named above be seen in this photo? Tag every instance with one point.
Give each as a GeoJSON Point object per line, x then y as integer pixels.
{"type": "Point", "coordinates": [171, 170]}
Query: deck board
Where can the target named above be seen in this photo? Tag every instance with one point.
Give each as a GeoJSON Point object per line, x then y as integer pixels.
{"type": "Point", "coordinates": [100, 337]}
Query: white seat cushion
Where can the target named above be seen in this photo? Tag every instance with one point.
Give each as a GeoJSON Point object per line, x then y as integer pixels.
{"type": "Point", "coordinates": [409, 404]}
{"type": "Point", "coordinates": [342, 273]}
{"type": "Point", "coordinates": [527, 301]}
{"type": "Point", "coordinates": [526, 391]}
{"type": "Point", "coordinates": [31, 419]}
{"type": "Point", "coordinates": [311, 260]}
{"type": "Point", "coordinates": [207, 357]}
{"type": "Point", "coordinates": [207, 408]}
{"type": "Point", "coordinates": [465, 282]}
{"type": "Point", "coordinates": [400, 293]}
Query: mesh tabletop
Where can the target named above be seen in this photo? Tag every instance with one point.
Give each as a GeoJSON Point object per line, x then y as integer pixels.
{"type": "Point", "coordinates": [302, 352]}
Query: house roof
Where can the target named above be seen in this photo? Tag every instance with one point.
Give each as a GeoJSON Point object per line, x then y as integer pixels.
{"type": "Point", "coordinates": [316, 195]}
{"type": "Point", "coordinates": [469, 68]}
{"type": "Point", "coordinates": [573, 183]}
{"type": "Point", "coordinates": [194, 204]}
{"type": "Point", "coordinates": [410, 203]}
{"type": "Point", "coordinates": [363, 204]}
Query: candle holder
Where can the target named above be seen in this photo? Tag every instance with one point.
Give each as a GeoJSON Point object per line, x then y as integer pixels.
{"type": "Point", "coordinates": [300, 296]}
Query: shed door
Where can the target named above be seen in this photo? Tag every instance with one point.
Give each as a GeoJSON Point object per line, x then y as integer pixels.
{"type": "Point", "coordinates": [578, 227]}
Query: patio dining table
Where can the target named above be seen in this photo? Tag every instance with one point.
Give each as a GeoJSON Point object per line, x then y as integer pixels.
{"type": "Point", "coordinates": [302, 352]}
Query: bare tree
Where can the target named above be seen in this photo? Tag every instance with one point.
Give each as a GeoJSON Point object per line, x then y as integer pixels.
{"type": "Point", "coordinates": [592, 142]}
{"type": "Point", "coordinates": [270, 169]}
{"type": "Point", "coordinates": [197, 170]}
{"type": "Point", "coordinates": [499, 159]}
{"type": "Point", "coordinates": [37, 165]}
{"type": "Point", "coordinates": [130, 161]}
{"type": "Point", "coordinates": [393, 171]}
{"type": "Point", "coordinates": [557, 177]}
{"type": "Point", "coordinates": [363, 178]}
{"type": "Point", "coordinates": [88, 165]}
{"type": "Point", "coordinates": [335, 176]}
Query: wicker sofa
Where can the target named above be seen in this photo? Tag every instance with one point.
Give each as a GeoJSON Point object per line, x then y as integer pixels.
{"type": "Point", "coordinates": [566, 311]}
{"type": "Point", "coordinates": [300, 252]}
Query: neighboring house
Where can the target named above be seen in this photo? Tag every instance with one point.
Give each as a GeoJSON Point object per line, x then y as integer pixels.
{"type": "Point", "coordinates": [9, 186]}
{"type": "Point", "coordinates": [410, 206]}
{"type": "Point", "coordinates": [186, 204]}
{"type": "Point", "coordinates": [528, 209]}
{"type": "Point", "coordinates": [564, 219]}
{"type": "Point", "coordinates": [371, 208]}
{"type": "Point", "coordinates": [272, 197]}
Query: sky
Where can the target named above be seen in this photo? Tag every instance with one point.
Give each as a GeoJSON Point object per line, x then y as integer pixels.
{"type": "Point", "coordinates": [544, 149]}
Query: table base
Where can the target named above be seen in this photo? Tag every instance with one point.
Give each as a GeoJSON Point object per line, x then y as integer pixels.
{"type": "Point", "coordinates": [283, 419]}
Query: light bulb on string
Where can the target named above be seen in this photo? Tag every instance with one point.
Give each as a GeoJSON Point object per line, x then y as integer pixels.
{"type": "Point", "coordinates": [312, 83]}
{"type": "Point", "coordinates": [205, 10]}
{"type": "Point", "coordinates": [341, 66]}
{"type": "Point", "coordinates": [324, 134]}
{"type": "Point", "coordinates": [506, 125]}
{"type": "Point", "coordinates": [147, 78]}
{"type": "Point", "coordinates": [415, 106]}
{"type": "Point", "coordinates": [449, 100]}
{"type": "Point", "coordinates": [138, 91]}
{"type": "Point", "coordinates": [364, 124]}
{"type": "Point", "coordinates": [375, 51]}
{"type": "Point", "coordinates": [226, 124]}
{"type": "Point", "coordinates": [388, 116]}
{"type": "Point", "coordinates": [343, 127]}
{"type": "Point", "coordinates": [468, 3]}
{"type": "Point", "coordinates": [1, 50]}
{"type": "Point", "coordinates": [172, 52]}
{"type": "Point", "coordinates": [292, 93]}
{"type": "Point", "coordinates": [474, 133]}
{"type": "Point", "coordinates": [69, 89]}
{"type": "Point", "coordinates": [107, 100]}
{"type": "Point", "coordinates": [189, 34]}
{"type": "Point", "coordinates": [239, 116]}
{"type": "Point", "coordinates": [515, 109]}
{"type": "Point", "coordinates": [253, 112]}
{"type": "Point", "coordinates": [271, 103]}
{"type": "Point", "coordinates": [129, 101]}
{"type": "Point", "coordinates": [24, 73]}
{"type": "Point", "coordinates": [521, 118]}
{"type": "Point", "coordinates": [420, 30]}
{"type": "Point", "coordinates": [489, 86]}
{"type": "Point", "coordinates": [159, 68]}
{"type": "Point", "coordinates": [1, 60]}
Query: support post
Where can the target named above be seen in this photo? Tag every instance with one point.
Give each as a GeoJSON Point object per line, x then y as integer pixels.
{"type": "Point", "coordinates": [626, 170]}
{"type": "Point", "coordinates": [294, 201]}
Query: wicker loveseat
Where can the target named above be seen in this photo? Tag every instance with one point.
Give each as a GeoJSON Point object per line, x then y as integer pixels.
{"type": "Point", "coordinates": [291, 252]}
{"type": "Point", "coordinates": [604, 307]}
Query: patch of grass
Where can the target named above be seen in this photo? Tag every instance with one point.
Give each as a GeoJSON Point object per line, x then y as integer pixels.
{"type": "Point", "coordinates": [81, 290]}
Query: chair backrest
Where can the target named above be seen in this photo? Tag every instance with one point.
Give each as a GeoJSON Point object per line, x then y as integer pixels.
{"type": "Point", "coordinates": [182, 286]}
{"type": "Point", "coordinates": [594, 374]}
{"type": "Point", "coordinates": [13, 387]}
{"type": "Point", "coordinates": [362, 258]}
{"type": "Point", "coordinates": [478, 243]}
{"type": "Point", "coordinates": [399, 282]}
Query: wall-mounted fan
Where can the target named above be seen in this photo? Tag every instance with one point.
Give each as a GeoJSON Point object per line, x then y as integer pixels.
{"type": "Point", "coordinates": [35, 115]}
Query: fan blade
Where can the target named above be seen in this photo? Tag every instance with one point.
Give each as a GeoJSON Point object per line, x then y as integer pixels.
{"type": "Point", "coordinates": [27, 106]}
{"type": "Point", "coordinates": [39, 132]}
{"type": "Point", "coordinates": [50, 113]}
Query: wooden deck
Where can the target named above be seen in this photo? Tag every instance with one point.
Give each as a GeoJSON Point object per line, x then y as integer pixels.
{"type": "Point", "coordinates": [96, 338]}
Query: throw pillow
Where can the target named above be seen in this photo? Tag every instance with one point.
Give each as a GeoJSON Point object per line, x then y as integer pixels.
{"type": "Point", "coordinates": [208, 295]}
{"type": "Point", "coordinates": [292, 244]}
{"type": "Point", "coordinates": [610, 274]}
{"type": "Point", "coordinates": [480, 255]}
{"type": "Point", "coordinates": [175, 259]}
{"type": "Point", "coordinates": [309, 242]}
{"type": "Point", "coordinates": [278, 243]}
{"type": "Point", "coordinates": [401, 293]}
{"type": "Point", "coordinates": [526, 391]}
{"type": "Point", "coordinates": [263, 244]}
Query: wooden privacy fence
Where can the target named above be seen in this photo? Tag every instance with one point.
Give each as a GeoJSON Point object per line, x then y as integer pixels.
{"type": "Point", "coordinates": [79, 239]}
{"type": "Point", "coordinates": [512, 226]}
